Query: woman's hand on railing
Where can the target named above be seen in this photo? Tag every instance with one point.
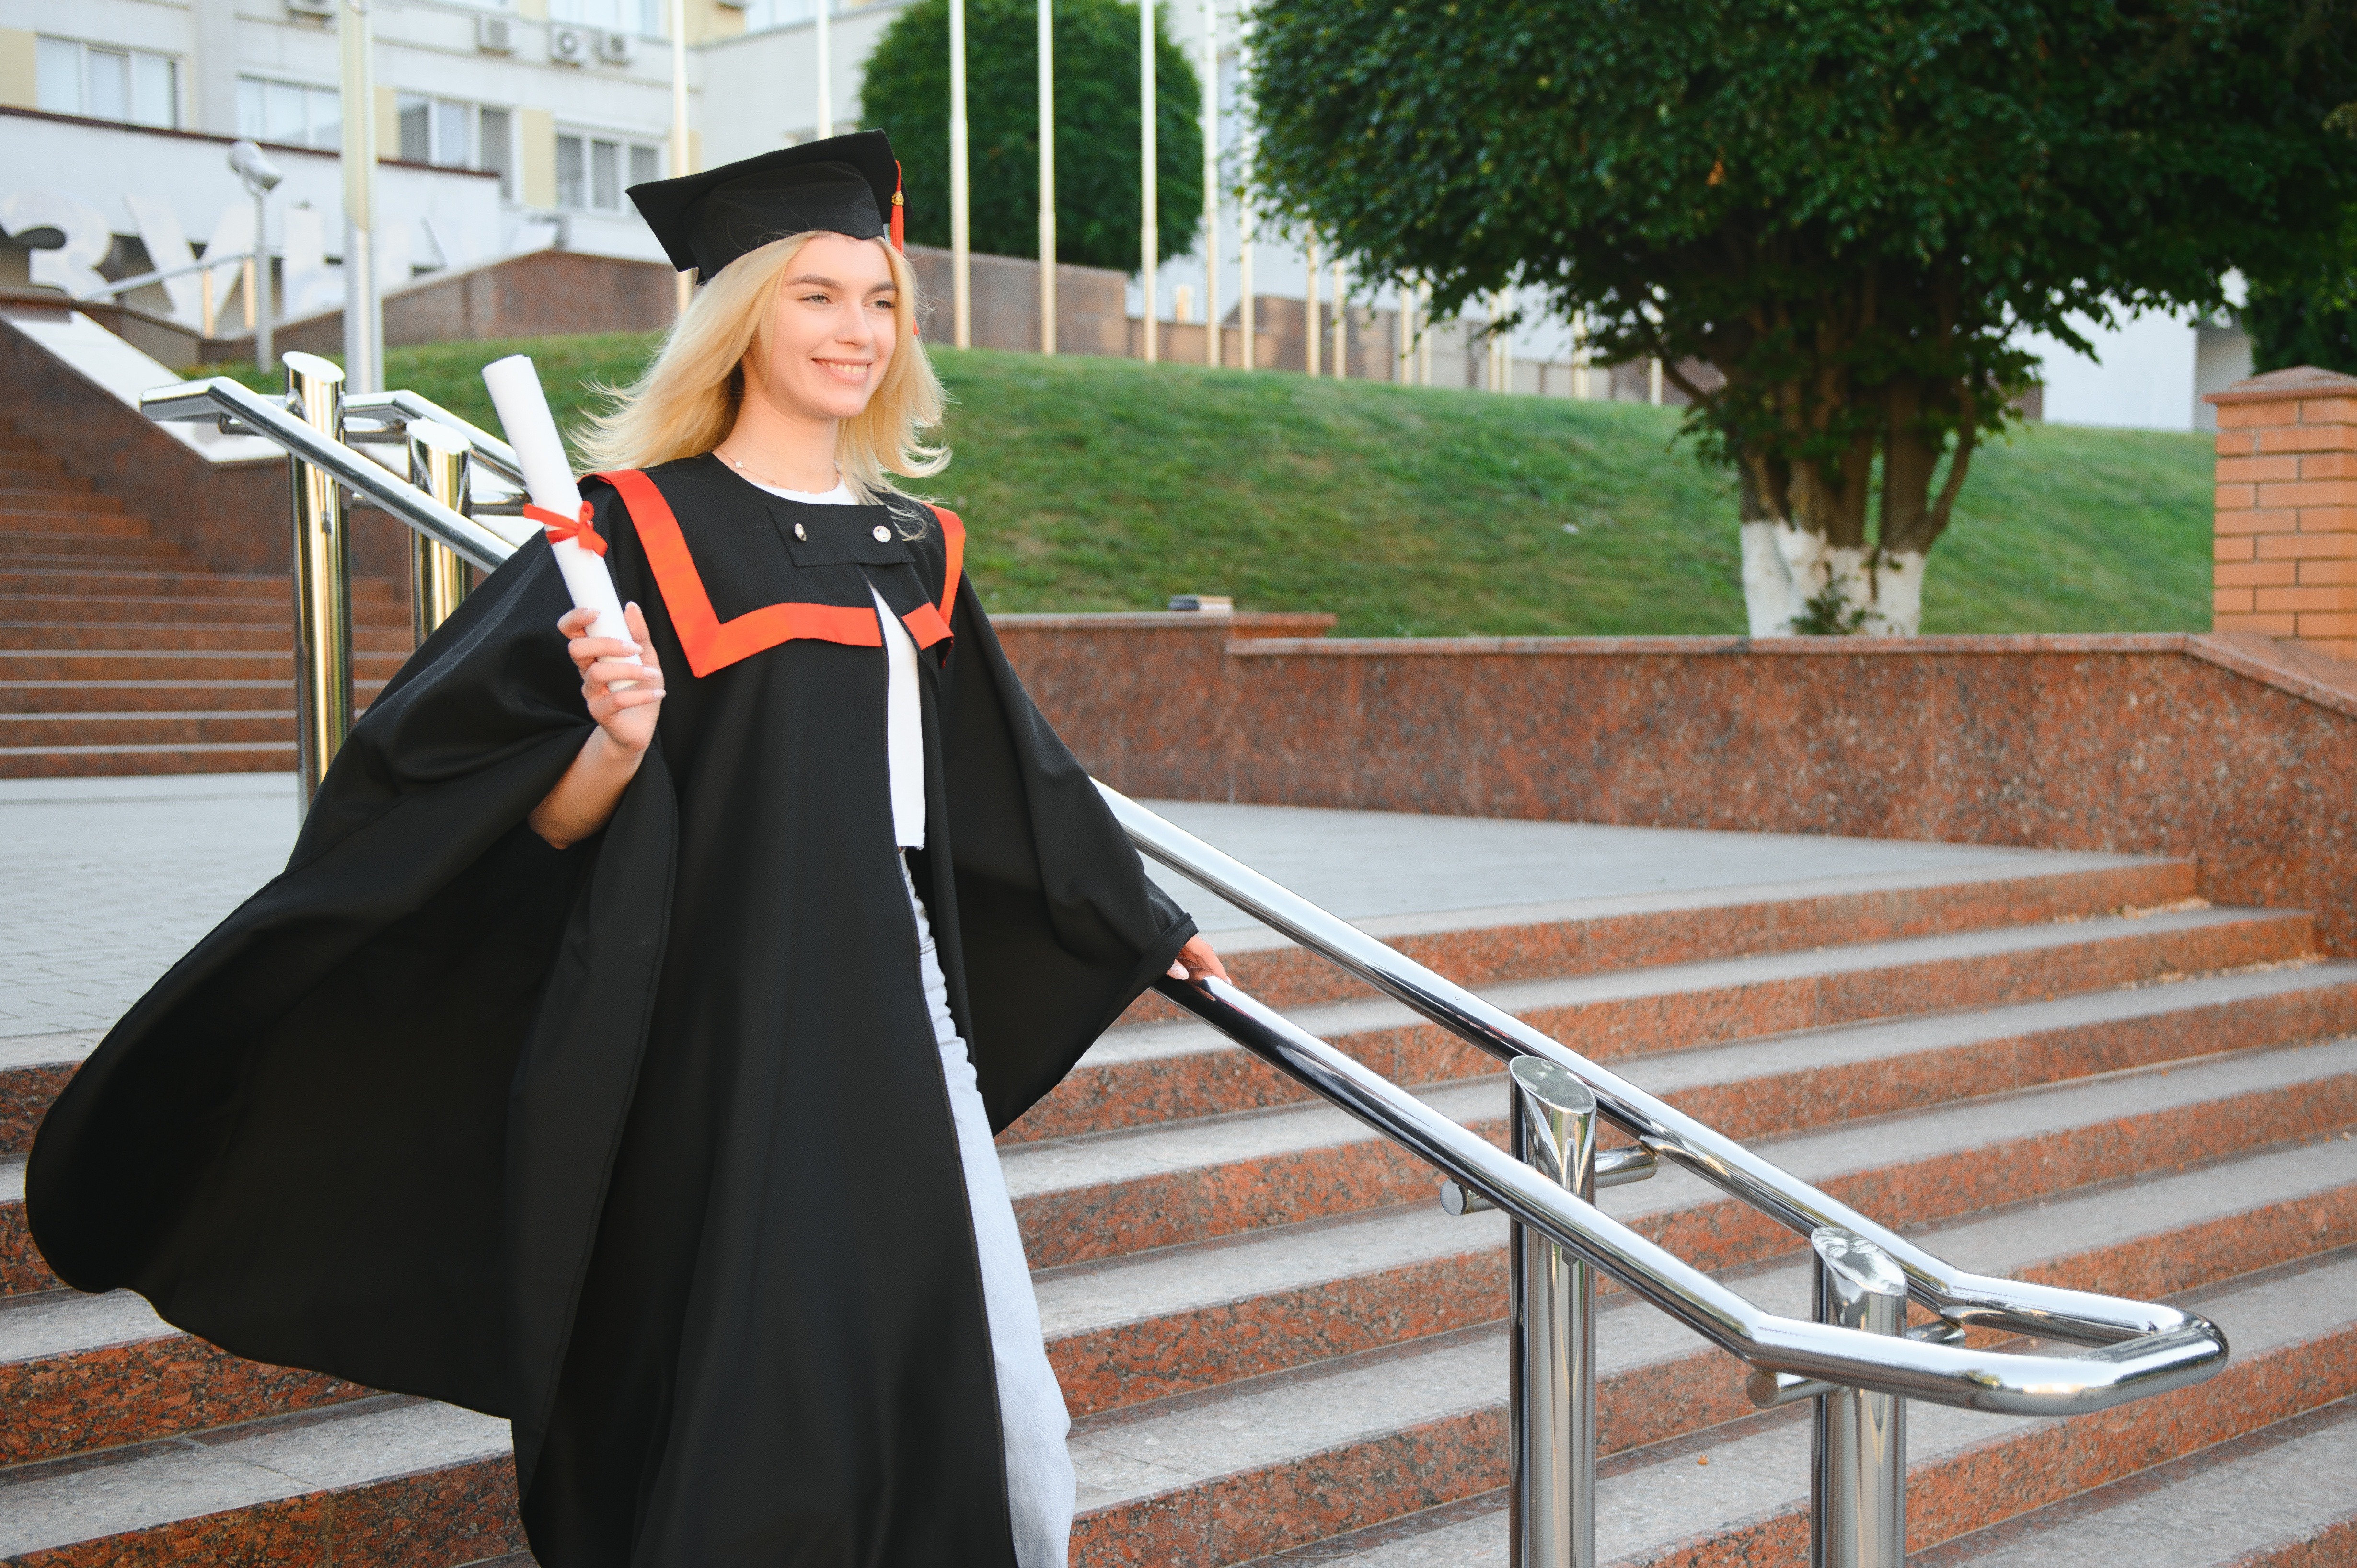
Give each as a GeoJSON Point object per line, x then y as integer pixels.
{"type": "Point", "coordinates": [1197, 960]}
{"type": "Point", "coordinates": [621, 682]}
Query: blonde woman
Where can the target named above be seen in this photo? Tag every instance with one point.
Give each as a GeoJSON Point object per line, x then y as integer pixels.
{"type": "Point", "coordinates": [621, 1052]}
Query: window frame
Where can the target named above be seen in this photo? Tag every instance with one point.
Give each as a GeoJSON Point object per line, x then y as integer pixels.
{"type": "Point", "coordinates": [48, 49]}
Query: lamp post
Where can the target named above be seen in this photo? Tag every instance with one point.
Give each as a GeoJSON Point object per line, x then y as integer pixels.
{"type": "Point", "coordinates": [259, 177]}
{"type": "Point", "coordinates": [364, 291]}
{"type": "Point", "coordinates": [1310, 323]}
{"type": "Point", "coordinates": [961, 250]}
{"type": "Point", "coordinates": [1046, 177]}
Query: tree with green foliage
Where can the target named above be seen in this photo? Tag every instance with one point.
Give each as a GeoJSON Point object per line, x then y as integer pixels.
{"type": "Point", "coordinates": [907, 94]}
{"type": "Point", "coordinates": [1851, 211]}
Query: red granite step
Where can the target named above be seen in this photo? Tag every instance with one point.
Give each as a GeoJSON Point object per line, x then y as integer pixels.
{"type": "Point", "coordinates": [126, 583]}
{"type": "Point", "coordinates": [1302, 1458]}
{"type": "Point", "coordinates": [1087, 1198]}
{"type": "Point", "coordinates": [385, 1481]}
{"type": "Point", "coordinates": [1482, 948]}
{"type": "Point", "coordinates": [1142, 1075]}
{"type": "Point", "coordinates": [258, 634]}
{"type": "Point", "coordinates": [20, 732]}
{"type": "Point", "coordinates": [136, 664]}
{"type": "Point", "coordinates": [105, 761]}
{"type": "Point", "coordinates": [124, 698]}
{"type": "Point", "coordinates": [1186, 1318]}
{"type": "Point", "coordinates": [78, 495]}
{"type": "Point", "coordinates": [84, 542]}
{"type": "Point", "coordinates": [139, 610]}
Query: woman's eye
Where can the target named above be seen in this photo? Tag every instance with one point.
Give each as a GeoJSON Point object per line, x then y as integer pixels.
{"type": "Point", "coordinates": [814, 299]}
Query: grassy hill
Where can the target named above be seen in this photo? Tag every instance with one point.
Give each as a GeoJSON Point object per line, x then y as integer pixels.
{"type": "Point", "coordinates": [1094, 484]}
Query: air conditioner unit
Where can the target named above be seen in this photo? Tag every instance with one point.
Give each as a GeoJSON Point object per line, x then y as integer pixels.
{"type": "Point", "coordinates": [571, 46]}
{"type": "Point", "coordinates": [617, 49]}
{"type": "Point", "coordinates": [310, 7]}
{"type": "Point", "coordinates": [495, 35]}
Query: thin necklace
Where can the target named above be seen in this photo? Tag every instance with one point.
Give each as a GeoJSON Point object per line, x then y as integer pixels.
{"type": "Point", "coordinates": [756, 476]}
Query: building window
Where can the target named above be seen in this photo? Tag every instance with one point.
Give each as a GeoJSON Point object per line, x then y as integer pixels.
{"type": "Point", "coordinates": [289, 113]}
{"type": "Point", "coordinates": [590, 169]}
{"type": "Point", "coordinates": [644, 17]}
{"type": "Point", "coordinates": [129, 85]}
{"type": "Point", "coordinates": [760, 16]}
{"type": "Point", "coordinates": [453, 134]}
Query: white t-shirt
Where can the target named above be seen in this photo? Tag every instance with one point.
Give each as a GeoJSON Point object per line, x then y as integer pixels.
{"type": "Point", "coordinates": [904, 730]}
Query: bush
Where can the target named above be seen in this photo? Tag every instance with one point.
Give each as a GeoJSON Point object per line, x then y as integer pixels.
{"type": "Point", "coordinates": [907, 94]}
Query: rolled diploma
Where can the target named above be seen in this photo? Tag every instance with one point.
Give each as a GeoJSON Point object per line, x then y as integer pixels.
{"type": "Point", "coordinates": [548, 477]}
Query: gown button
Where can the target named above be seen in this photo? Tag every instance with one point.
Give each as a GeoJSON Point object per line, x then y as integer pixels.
{"type": "Point", "coordinates": [882, 533]}
{"type": "Point", "coordinates": [799, 532]}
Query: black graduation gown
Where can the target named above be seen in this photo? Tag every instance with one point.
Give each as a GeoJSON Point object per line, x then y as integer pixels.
{"type": "Point", "coordinates": [643, 1143]}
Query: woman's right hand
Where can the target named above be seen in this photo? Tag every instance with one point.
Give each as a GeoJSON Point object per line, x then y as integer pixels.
{"type": "Point", "coordinates": [626, 718]}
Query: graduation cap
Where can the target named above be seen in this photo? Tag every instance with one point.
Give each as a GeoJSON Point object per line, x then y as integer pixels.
{"type": "Point", "coordinates": [844, 185]}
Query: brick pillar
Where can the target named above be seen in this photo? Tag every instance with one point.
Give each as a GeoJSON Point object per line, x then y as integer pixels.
{"type": "Point", "coordinates": [2285, 536]}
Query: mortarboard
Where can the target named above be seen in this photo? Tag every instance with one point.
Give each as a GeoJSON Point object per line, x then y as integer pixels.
{"type": "Point", "coordinates": [844, 185]}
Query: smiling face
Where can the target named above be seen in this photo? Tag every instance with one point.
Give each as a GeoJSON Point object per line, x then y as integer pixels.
{"type": "Point", "coordinates": [832, 332]}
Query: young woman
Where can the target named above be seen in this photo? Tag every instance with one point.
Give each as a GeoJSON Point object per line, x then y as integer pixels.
{"type": "Point", "coordinates": [621, 1052]}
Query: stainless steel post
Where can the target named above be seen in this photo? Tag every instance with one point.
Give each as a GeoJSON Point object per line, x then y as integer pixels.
{"type": "Point", "coordinates": [440, 464]}
{"type": "Point", "coordinates": [323, 632]}
{"type": "Point", "coordinates": [1857, 1495]}
{"type": "Point", "coordinates": [1552, 1296]}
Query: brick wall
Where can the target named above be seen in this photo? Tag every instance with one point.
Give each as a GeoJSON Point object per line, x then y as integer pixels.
{"type": "Point", "coordinates": [2286, 537]}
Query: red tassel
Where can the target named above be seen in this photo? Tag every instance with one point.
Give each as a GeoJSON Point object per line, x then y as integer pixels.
{"type": "Point", "coordinates": [898, 206]}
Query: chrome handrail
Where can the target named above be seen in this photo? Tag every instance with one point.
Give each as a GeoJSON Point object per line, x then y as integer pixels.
{"type": "Point", "coordinates": [2009, 1381]}
{"type": "Point", "coordinates": [255, 414]}
{"type": "Point", "coordinates": [2045, 1311]}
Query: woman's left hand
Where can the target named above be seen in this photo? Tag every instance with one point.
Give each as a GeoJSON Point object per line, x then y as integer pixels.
{"type": "Point", "coordinates": [1197, 960]}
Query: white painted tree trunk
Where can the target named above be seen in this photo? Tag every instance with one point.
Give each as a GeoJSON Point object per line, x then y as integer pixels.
{"type": "Point", "coordinates": [1784, 567]}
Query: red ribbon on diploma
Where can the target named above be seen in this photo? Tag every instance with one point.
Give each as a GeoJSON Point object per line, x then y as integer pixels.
{"type": "Point", "coordinates": [561, 528]}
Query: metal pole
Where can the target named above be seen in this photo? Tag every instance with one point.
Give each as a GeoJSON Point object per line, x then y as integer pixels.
{"type": "Point", "coordinates": [1247, 303]}
{"type": "Point", "coordinates": [682, 283]}
{"type": "Point", "coordinates": [440, 464]}
{"type": "Point", "coordinates": [825, 70]}
{"type": "Point", "coordinates": [1552, 1302]}
{"type": "Point", "coordinates": [961, 247]}
{"type": "Point", "coordinates": [264, 345]}
{"type": "Point", "coordinates": [1149, 233]}
{"type": "Point", "coordinates": [363, 290]}
{"type": "Point", "coordinates": [1341, 326]}
{"type": "Point", "coordinates": [1858, 1493]}
{"type": "Point", "coordinates": [1046, 177]}
{"type": "Point", "coordinates": [1211, 355]}
{"type": "Point", "coordinates": [1312, 326]}
{"type": "Point", "coordinates": [323, 633]}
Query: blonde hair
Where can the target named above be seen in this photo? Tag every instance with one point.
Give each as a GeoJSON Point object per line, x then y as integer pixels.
{"type": "Point", "coordinates": [686, 401]}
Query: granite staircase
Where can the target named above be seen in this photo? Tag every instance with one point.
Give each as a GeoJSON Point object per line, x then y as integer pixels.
{"type": "Point", "coordinates": [1279, 1348]}
{"type": "Point", "coordinates": [120, 654]}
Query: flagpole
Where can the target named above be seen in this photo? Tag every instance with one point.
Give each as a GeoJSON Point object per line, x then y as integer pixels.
{"type": "Point", "coordinates": [1211, 355]}
{"type": "Point", "coordinates": [826, 73]}
{"type": "Point", "coordinates": [364, 291]}
{"type": "Point", "coordinates": [960, 257]}
{"type": "Point", "coordinates": [684, 283]}
{"type": "Point", "coordinates": [1046, 177]}
{"type": "Point", "coordinates": [1149, 239]}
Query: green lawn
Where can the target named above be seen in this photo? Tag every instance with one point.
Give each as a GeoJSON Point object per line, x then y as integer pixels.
{"type": "Point", "coordinates": [1094, 484]}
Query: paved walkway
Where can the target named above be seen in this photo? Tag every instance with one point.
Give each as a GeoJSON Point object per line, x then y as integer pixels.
{"type": "Point", "coordinates": [110, 880]}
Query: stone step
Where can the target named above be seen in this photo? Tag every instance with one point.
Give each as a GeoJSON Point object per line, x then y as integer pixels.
{"type": "Point", "coordinates": [1189, 1318]}
{"type": "Point", "coordinates": [58, 496]}
{"type": "Point", "coordinates": [148, 730]}
{"type": "Point", "coordinates": [85, 1372]}
{"type": "Point", "coordinates": [1139, 1074]}
{"type": "Point", "coordinates": [1484, 947]}
{"type": "Point", "coordinates": [127, 698]}
{"type": "Point", "coordinates": [1302, 1457]}
{"type": "Point", "coordinates": [1082, 1199]}
{"type": "Point", "coordinates": [35, 471]}
{"type": "Point", "coordinates": [2282, 1497]}
{"type": "Point", "coordinates": [129, 583]}
{"type": "Point", "coordinates": [115, 761]}
{"type": "Point", "coordinates": [145, 612]}
{"type": "Point", "coordinates": [380, 1481]}
{"type": "Point", "coordinates": [94, 552]}
{"type": "Point", "coordinates": [256, 634]}
{"type": "Point", "coordinates": [198, 666]}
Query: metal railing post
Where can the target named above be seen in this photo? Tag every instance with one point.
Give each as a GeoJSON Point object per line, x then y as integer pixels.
{"type": "Point", "coordinates": [1552, 1296]}
{"type": "Point", "coordinates": [441, 464]}
{"type": "Point", "coordinates": [323, 632]}
{"type": "Point", "coordinates": [1858, 1492]}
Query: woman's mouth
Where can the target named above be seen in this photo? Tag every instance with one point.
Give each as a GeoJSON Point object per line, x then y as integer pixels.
{"type": "Point", "coordinates": [843, 369]}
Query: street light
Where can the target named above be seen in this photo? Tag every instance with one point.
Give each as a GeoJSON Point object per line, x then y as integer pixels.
{"type": "Point", "coordinates": [259, 177]}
